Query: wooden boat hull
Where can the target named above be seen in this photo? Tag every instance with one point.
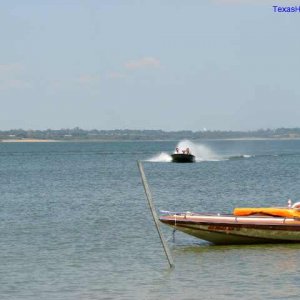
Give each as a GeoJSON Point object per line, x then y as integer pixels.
{"type": "Point", "coordinates": [229, 229]}
{"type": "Point", "coordinates": [183, 158]}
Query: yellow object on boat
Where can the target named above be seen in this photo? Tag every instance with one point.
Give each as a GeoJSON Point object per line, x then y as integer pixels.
{"type": "Point", "coordinates": [270, 211]}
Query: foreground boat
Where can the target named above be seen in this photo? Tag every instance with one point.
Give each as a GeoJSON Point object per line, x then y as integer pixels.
{"type": "Point", "coordinates": [244, 226]}
{"type": "Point", "coordinates": [183, 158]}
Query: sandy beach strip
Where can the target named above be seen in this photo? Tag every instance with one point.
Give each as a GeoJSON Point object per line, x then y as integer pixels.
{"type": "Point", "coordinates": [27, 141]}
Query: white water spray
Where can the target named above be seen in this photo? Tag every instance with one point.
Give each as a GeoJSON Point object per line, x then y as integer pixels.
{"type": "Point", "coordinates": [201, 152]}
{"type": "Point", "coordinates": [162, 157]}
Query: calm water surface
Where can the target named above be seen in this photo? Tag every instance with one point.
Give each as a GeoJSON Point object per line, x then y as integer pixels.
{"type": "Point", "coordinates": [74, 222]}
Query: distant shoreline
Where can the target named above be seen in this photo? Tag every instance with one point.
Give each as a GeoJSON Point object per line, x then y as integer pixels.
{"type": "Point", "coordinates": [80, 135]}
{"type": "Point", "coordinates": [145, 140]}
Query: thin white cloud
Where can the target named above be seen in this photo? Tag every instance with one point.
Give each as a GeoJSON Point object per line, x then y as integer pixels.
{"type": "Point", "coordinates": [241, 1]}
{"type": "Point", "coordinates": [115, 75]}
{"type": "Point", "coordinates": [11, 77]}
{"type": "Point", "coordinates": [88, 79]}
{"type": "Point", "coordinates": [82, 81]}
{"type": "Point", "coordinates": [262, 2]}
{"type": "Point", "coordinates": [6, 69]}
{"type": "Point", "coordinates": [145, 62]}
{"type": "Point", "coordinates": [14, 84]}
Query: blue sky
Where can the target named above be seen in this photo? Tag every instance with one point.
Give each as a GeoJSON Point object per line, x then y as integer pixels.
{"type": "Point", "coordinates": [171, 65]}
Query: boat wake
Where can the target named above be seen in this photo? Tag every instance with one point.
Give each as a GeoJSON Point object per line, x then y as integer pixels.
{"type": "Point", "coordinates": [162, 157]}
{"type": "Point", "coordinates": [240, 156]}
{"type": "Point", "coordinates": [201, 152]}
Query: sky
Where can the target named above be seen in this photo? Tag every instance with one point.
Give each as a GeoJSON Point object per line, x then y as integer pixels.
{"type": "Point", "coordinates": [170, 65]}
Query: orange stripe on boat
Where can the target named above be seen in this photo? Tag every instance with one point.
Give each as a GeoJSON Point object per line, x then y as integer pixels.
{"type": "Point", "coordinates": [271, 211]}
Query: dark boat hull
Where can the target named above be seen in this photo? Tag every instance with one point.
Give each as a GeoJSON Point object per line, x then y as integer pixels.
{"type": "Point", "coordinates": [183, 158]}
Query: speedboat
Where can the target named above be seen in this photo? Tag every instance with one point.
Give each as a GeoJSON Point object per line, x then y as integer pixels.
{"type": "Point", "coordinates": [183, 158]}
{"type": "Point", "coordinates": [243, 226]}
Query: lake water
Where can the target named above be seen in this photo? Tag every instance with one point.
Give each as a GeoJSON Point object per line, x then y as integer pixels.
{"type": "Point", "coordinates": [74, 221]}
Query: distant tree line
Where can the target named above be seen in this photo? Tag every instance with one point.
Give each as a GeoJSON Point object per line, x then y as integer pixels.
{"type": "Point", "coordinates": [128, 134]}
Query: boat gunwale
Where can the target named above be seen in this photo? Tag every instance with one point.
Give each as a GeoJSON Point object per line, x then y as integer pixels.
{"type": "Point", "coordinates": [231, 220]}
{"type": "Point", "coordinates": [282, 226]}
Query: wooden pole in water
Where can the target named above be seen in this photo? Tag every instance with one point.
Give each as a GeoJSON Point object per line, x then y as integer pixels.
{"type": "Point", "coordinates": [154, 214]}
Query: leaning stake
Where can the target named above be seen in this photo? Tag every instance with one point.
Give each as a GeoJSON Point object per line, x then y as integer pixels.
{"type": "Point", "coordinates": [154, 214]}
